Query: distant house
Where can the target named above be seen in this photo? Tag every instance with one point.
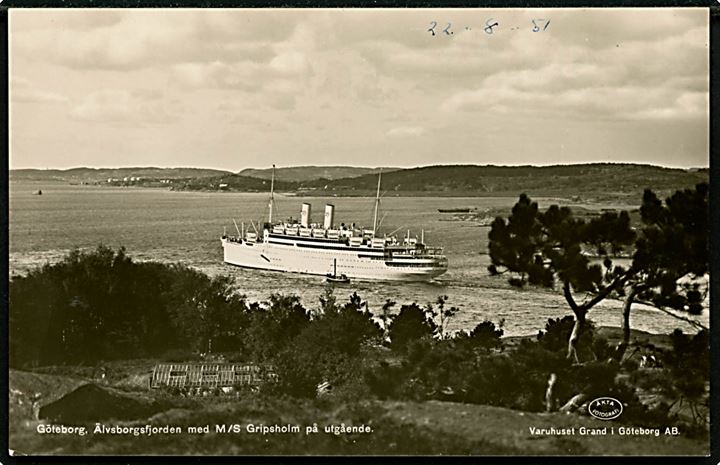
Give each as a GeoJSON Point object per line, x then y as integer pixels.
{"type": "Point", "coordinates": [208, 375]}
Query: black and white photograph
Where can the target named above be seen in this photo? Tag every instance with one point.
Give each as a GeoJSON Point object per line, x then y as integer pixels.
{"type": "Point", "coordinates": [359, 232]}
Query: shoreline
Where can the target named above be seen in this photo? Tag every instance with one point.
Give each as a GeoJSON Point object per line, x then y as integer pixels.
{"type": "Point", "coordinates": [613, 335]}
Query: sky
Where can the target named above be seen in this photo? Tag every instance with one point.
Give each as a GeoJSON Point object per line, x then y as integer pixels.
{"type": "Point", "coordinates": [232, 89]}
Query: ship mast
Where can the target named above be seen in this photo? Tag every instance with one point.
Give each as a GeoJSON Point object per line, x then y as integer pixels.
{"type": "Point", "coordinates": [377, 203]}
{"type": "Point", "coordinates": [272, 192]}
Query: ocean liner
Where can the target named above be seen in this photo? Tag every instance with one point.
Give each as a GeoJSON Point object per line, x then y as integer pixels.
{"type": "Point", "coordinates": [325, 248]}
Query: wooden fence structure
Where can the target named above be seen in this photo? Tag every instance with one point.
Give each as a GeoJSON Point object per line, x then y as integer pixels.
{"type": "Point", "coordinates": [208, 375]}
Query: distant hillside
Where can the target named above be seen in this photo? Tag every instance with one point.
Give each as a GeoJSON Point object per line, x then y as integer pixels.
{"type": "Point", "coordinates": [103, 174]}
{"type": "Point", "coordinates": [596, 181]}
{"type": "Point", "coordinates": [232, 182]}
{"type": "Point", "coordinates": [591, 180]}
{"type": "Point", "coordinates": [309, 173]}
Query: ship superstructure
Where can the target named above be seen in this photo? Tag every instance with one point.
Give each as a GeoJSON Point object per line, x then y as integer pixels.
{"type": "Point", "coordinates": [320, 248]}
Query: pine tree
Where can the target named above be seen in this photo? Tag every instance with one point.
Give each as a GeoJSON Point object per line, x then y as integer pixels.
{"type": "Point", "coordinates": [545, 248]}
{"type": "Point", "coordinates": [672, 256]}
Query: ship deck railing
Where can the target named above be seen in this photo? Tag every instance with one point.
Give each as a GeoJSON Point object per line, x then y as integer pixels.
{"type": "Point", "coordinates": [413, 250]}
{"type": "Point", "coordinates": [416, 249]}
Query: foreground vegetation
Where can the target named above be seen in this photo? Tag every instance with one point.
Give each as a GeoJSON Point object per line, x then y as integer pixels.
{"type": "Point", "coordinates": [99, 308]}
{"type": "Point", "coordinates": [406, 428]}
{"type": "Point", "coordinates": [669, 250]}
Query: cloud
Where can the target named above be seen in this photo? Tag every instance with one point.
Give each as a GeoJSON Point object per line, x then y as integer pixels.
{"type": "Point", "coordinates": [285, 69]}
{"type": "Point", "coordinates": [274, 84]}
{"type": "Point", "coordinates": [126, 107]}
{"type": "Point", "coordinates": [599, 28]}
{"type": "Point", "coordinates": [552, 77]}
{"type": "Point", "coordinates": [282, 101]}
{"type": "Point", "coordinates": [23, 90]}
{"type": "Point", "coordinates": [636, 78]}
{"type": "Point", "coordinates": [686, 105]}
{"type": "Point", "coordinates": [38, 96]}
{"type": "Point", "coordinates": [405, 131]}
{"type": "Point", "coordinates": [137, 39]}
{"type": "Point", "coordinates": [68, 18]}
{"type": "Point", "coordinates": [290, 64]}
{"type": "Point", "coordinates": [244, 75]}
{"type": "Point", "coordinates": [622, 102]}
{"type": "Point", "coordinates": [278, 88]}
{"type": "Point", "coordinates": [355, 80]}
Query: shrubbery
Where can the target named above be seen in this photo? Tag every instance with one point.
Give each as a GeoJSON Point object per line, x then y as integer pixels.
{"type": "Point", "coordinates": [328, 350]}
{"type": "Point", "coordinates": [410, 325]}
{"type": "Point", "coordinates": [101, 305]}
{"type": "Point", "coordinates": [682, 382]}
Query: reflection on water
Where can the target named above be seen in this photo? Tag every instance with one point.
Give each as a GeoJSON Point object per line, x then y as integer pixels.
{"type": "Point", "coordinates": [186, 227]}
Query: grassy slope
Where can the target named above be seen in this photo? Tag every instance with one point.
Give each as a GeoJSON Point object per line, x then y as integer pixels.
{"type": "Point", "coordinates": [432, 427]}
{"type": "Point", "coordinates": [399, 427]}
{"type": "Point", "coordinates": [505, 428]}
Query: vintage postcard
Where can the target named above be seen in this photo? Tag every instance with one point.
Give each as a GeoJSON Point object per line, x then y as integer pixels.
{"type": "Point", "coordinates": [468, 232]}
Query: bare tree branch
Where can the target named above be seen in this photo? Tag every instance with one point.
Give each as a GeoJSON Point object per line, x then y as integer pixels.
{"type": "Point", "coordinates": [620, 280]}
{"type": "Point", "coordinates": [694, 323]}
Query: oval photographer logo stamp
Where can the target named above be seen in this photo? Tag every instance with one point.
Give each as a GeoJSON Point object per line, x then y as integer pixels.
{"type": "Point", "coordinates": [605, 408]}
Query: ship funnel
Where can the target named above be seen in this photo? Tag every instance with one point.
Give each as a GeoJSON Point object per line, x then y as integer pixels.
{"type": "Point", "coordinates": [305, 215]}
{"type": "Point", "coordinates": [329, 216]}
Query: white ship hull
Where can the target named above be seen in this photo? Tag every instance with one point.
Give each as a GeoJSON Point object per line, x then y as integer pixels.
{"type": "Point", "coordinates": [298, 256]}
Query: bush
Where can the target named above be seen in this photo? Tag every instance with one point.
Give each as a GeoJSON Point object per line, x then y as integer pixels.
{"type": "Point", "coordinates": [270, 330]}
{"type": "Point", "coordinates": [180, 355]}
{"type": "Point", "coordinates": [686, 379]}
{"type": "Point", "coordinates": [557, 333]}
{"type": "Point", "coordinates": [466, 369]}
{"type": "Point", "coordinates": [411, 324]}
{"type": "Point", "coordinates": [384, 380]}
{"type": "Point", "coordinates": [485, 336]}
{"type": "Point", "coordinates": [329, 349]}
{"type": "Point", "coordinates": [100, 305]}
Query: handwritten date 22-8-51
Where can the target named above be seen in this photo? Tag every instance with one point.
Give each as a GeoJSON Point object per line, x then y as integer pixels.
{"type": "Point", "coordinates": [492, 26]}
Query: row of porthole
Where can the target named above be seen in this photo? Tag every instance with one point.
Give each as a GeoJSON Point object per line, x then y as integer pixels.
{"type": "Point", "coordinates": [406, 265]}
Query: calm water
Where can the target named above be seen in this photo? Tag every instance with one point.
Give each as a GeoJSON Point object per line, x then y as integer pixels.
{"type": "Point", "coordinates": [186, 227]}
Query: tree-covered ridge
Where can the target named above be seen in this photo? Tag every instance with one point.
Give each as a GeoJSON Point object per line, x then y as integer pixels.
{"type": "Point", "coordinates": [232, 182]}
{"type": "Point", "coordinates": [92, 175]}
{"type": "Point", "coordinates": [596, 181]}
{"type": "Point", "coordinates": [489, 178]}
{"type": "Point", "coordinates": [591, 181]}
{"type": "Point", "coordinates": [310, 173]}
